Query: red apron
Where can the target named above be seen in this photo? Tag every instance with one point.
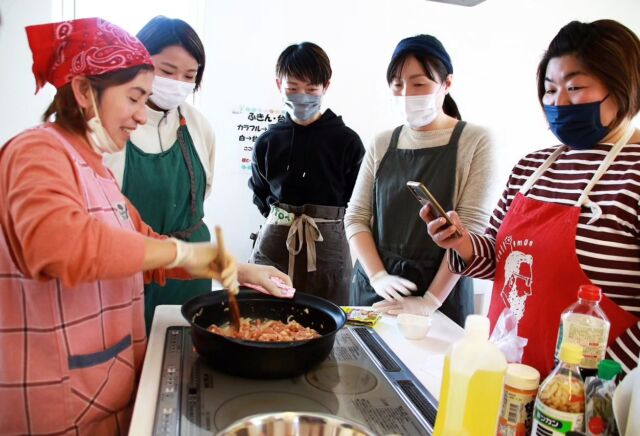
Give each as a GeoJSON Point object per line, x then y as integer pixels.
{"type": "Point", "coordinates": [538, 272]}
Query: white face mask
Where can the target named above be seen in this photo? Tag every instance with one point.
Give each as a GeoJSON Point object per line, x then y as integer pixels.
{"type": "Point", "coordinates": [98, 136]}
{"type": "Point", "coordinates": [417, 110]}
{"type": "Point", "coordinates": [168, 93]}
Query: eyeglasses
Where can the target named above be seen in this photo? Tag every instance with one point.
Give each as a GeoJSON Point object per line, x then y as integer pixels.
{"type": "Point", "coordinates": [527, 280]}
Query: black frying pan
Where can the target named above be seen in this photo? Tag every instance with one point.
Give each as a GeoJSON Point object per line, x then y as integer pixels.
{"type": "Point", "coordinates": [263, 359]}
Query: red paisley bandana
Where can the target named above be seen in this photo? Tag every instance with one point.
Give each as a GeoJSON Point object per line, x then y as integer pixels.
{"type": "Point", "coordinates": [84, 47]}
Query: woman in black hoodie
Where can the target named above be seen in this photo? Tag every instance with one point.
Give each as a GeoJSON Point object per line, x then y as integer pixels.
{"type": "Point", "coordinates": [303, 171]}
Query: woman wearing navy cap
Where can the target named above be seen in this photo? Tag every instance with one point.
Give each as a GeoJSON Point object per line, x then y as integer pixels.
{"type": "Point", "coordinates": [454, 159]}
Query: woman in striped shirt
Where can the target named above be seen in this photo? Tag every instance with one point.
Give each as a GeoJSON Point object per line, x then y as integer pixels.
{"type": "Point", "coordinates": [569, 214]}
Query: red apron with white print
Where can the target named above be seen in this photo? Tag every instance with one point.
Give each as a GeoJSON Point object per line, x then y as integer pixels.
{"type": "Point", "coordinates": [70, 358]}
{"type": "Point", "coordinates": [538, 272]}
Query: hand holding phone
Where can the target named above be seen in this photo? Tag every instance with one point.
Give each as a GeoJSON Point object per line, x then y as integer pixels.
{"type": "Point", "coordinates": [424, 197]}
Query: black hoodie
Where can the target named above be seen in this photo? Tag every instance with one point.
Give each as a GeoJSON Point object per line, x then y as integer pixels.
{"type": "Point", "coordinates": [314, 164]}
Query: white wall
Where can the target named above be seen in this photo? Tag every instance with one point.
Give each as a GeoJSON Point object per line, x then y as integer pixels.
{"type": "Point", "coordinates": [20, 108]}
{"type": "Point", "coordinates": [495, 48]}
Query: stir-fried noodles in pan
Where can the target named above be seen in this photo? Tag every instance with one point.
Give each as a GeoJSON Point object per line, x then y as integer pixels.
{"type": "Point", "coordinates": [266, 330]}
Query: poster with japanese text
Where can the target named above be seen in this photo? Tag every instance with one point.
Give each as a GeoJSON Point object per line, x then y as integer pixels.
{"type": "Point", "coordinates": [249, 123]}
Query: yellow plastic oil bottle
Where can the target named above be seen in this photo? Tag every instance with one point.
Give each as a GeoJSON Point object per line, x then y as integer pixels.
{"type": "Point", "coordinates": [472, 383]}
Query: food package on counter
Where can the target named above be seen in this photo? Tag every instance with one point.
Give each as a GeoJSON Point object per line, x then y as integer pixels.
{"type": "Point", "coordinates": [599, 420]}
{"type": "Point", "coordinates": [365, 317]}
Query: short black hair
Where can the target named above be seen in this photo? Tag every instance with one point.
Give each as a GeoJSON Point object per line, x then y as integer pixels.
{"type": "Point", "coordinates": [304, 61]}
{"type": "Point", "coordinates": [162, 32]}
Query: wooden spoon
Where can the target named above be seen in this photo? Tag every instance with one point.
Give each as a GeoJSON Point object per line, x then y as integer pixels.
{"type": "Point", "coordinates": [234, 310]}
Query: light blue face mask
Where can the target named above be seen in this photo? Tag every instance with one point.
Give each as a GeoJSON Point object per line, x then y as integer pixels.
{"type": "Point", "coordinates": [302, 106]}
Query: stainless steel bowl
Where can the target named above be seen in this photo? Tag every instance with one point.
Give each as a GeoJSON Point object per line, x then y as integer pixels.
{"type": "Point", "coordinates": [295, 424]}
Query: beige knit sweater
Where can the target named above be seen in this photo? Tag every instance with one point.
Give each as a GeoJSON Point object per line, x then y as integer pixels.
{"type": "Point", "coordinates": [476, 182]}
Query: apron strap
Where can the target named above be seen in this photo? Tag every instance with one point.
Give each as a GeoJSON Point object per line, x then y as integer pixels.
{"type": "Point", "coordinates": [185, 234]}
{"type": "Point", "coordinates": [583, 200]}
{"type": "Point", "coordinates": [182, 127]}
{"type": "Point", "coordinates": [457, 132]}
{"type": "Point", "coordinates": [393, 144]}
{"type": "Point", "coordinates": [541, 169]}
{"type": "Point", "coordinates": [394, 138]}
{"type": "Point", "coordinates": [304, 229]}
{"type": "Point", "coordinates": [604, 165]}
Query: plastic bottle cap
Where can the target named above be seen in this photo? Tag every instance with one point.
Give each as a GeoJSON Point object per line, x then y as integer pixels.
{"type": "Point", "coordinates": [570, 353]}
{"type": "Point", "coordinates": [522, 377]}
{"type": "Point", "coordinates": [477, 326]}
{"type": "Point", "coordinates": [590, 293]}
{"type": "Point", "coordinates": [608, 369]}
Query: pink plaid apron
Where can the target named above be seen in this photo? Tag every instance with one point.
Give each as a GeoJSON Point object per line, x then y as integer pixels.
{"type": "Point", "coordinates": [70, 357]}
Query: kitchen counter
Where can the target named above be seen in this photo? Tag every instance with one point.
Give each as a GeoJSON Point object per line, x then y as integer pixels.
{"type": "Point", "coordinates": [424, 358]}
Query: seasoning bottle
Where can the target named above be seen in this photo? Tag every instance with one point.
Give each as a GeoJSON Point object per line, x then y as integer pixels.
{"type": "Point", "coordinates": [472, 383]}
{"type": "Point", "coordinates": [520, 388]}
{"type": "Point", "coordinates": [585, 323]}
{"type": "Point", "coordinates": [599, 418]}
{"type": "Point", "coordinates": [559, 406]}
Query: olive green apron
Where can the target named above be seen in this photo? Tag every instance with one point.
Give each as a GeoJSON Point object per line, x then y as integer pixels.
{"type": "Point", "coordinates": [400, 235]}
{"type": "Point", "coordinates": [168, 189]}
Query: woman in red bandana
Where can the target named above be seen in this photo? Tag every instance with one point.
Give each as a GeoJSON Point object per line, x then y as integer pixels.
{"type": "Point", "coordinates": [570, 214]}
{"type": "Point", "coordinates": [72, 248]}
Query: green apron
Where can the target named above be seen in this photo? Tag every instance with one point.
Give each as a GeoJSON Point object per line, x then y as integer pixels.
{"type": "Point", "coordinates": [400, 235]}
{"type": "Point", "coordinates": [168, 188]}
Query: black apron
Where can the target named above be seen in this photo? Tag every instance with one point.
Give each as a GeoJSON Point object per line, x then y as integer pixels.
{"type": "Point", "coordinates": [168, 190]}
{"type": "Point", "coordinates": [400, 234]}
{"type": "Point", "coordinates": [329, 276]}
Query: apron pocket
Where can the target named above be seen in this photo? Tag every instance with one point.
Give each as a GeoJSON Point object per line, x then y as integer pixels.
{"type": "Point", "coordinates": [333, 252]}
{"type": "Point", "coordinates": [271, 246]}
{"type": "Point", "coordinates": [102, 381]}
{"type": "Point", "coordinates": [87, 360]}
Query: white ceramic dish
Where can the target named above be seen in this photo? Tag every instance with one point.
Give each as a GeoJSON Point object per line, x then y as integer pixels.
{"type": "Point", "coordinates": [414, 326]}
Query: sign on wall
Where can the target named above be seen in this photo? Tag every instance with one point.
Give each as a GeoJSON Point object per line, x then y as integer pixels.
{"type": "Point", "coordinates": [249, 123]}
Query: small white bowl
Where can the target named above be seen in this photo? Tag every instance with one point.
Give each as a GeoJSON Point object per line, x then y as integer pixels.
{"type": "Point", "coordinates": [414, 326]}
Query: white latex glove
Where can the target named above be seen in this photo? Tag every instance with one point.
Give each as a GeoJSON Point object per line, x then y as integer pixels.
{"type": "Point", "coordinates": [391, 288]}
{"type": "Point", "coordinates": [415, 305]}
{"type": "Point", "coordinates": [201, 260]}
{"type": "Point", "coordinates": [261, 275]}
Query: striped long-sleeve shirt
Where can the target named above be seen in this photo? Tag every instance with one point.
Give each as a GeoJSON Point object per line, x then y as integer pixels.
{"type": "Point", "coordinates": [608, 249]}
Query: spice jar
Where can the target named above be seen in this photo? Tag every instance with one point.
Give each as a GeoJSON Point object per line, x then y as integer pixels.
{"type": "Point", "coordinates": [520, 388]}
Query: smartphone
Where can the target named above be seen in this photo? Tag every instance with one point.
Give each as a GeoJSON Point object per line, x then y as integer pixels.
{"type": "Point", "coordinates": [424, 197]}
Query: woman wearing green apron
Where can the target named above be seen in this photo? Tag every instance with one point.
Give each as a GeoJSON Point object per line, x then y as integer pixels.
{"type": "Point", "coordinates": [398, 269]}
{"type": "Point", "coordinates": [166, 169]}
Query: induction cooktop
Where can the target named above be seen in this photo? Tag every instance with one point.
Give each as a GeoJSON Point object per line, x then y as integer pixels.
{"type": "Point", "coordinates": [362, 380]}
